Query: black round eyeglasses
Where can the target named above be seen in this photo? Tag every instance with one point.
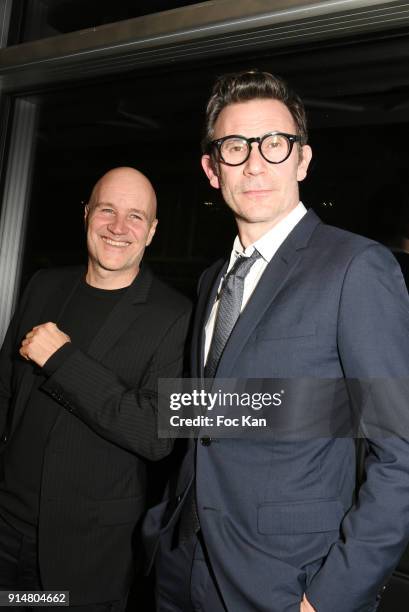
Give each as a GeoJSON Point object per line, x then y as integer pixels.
{"type": "Point", "coordinates": [274, 147]}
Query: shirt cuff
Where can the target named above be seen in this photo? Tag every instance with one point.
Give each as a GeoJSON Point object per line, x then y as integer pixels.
{"type": "Point", "coordinates": [57, 359]}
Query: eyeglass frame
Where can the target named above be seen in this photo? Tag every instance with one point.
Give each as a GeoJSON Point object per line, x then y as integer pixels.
{"type": "Point", "coordinates": [291, 138]}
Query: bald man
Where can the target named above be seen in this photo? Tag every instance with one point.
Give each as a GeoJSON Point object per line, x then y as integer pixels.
{"type": "Point", "coordinates": [78, 387]}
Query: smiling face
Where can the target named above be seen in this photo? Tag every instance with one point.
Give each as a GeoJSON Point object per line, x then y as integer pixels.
{"type": "Point", "coordinates": [259, 193]}
{"type": "Point", "coordinates": [121, 223]}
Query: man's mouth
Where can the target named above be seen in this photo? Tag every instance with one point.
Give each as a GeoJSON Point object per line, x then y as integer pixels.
{"type": "Point", "coordinates": [257, 192]}
{"type": "Point", "coordinates": [115, 243]}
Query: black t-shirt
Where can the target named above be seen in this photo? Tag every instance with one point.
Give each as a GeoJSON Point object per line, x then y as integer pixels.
{"type": "Point", "coordinates": [83, 316]}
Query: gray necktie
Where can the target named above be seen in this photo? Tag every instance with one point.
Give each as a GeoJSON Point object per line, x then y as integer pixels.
{"type": "Point", "coordinates": [231, 297]}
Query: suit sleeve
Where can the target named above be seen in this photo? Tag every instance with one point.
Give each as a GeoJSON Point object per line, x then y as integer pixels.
{"type": "Point", "coordinates": [8, 353]}
{"type": "Point", "coordinates": [373, 344]}
{"type": "Point", "coordinates": [121, 414]}
{"type": "Point", "coordinates": [6, 368]}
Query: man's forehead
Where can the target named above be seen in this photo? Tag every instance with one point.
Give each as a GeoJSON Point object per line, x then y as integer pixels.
{"type": "Point", "coordinates": [117, 196]}
{"type": "Point", "coordinates": [113, 193]}
{"type": "Point", "coordinates": [253, 118]}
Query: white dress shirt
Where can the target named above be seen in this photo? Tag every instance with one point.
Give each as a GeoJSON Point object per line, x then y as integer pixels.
{"type": "Point", "coordinates": [267, 246]}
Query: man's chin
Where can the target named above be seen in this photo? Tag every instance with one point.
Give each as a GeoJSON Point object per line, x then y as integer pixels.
{"type": "Point", "coordinates": [112, 266]}
{"type": "Point", "coordinates": [250, 218]}
{"type": "Point", "coordinates": [119, 269]}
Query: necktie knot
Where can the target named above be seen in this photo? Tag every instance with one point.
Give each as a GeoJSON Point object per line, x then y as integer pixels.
{"type": "Point", "coordinates": [242, 265]}
{"type": "Point", "coordinates": [230, 299]}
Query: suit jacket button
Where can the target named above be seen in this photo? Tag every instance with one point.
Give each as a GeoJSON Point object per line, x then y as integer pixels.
{"type": "Point", "coordinates": [206, 441]}
{"type": "Point", "coordinates": [4, 439]}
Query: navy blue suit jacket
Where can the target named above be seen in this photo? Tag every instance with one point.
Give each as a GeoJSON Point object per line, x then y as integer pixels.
{"type": "Point", "coordinates": [279, 517]}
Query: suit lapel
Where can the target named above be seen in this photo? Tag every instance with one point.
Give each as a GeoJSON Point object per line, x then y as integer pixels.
{"type": "Point", "coordinates": [274, 277]}
{"type": "Point", "coordinates": [51, 311]}
{"type": "Point", "coordinates": [54, 308]}
{"type": "Point", "coordinates": [130, 306]}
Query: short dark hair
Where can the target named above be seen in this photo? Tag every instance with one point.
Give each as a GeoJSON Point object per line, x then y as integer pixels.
{"type": "Point", "coordinates": [249, 85]}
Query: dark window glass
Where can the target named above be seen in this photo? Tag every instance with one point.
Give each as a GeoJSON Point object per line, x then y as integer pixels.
{"type": "Point", "coordinates": [35, 19]}
{"type": "Point", "coordinates": [356, 93]}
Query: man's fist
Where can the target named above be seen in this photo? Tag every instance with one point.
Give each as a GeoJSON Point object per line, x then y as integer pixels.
{"type": "Point", "coordinates": [42, 342]}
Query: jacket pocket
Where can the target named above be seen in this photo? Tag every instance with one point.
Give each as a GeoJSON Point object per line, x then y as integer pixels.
{"type": "Point", "coordinates": [300, 533]}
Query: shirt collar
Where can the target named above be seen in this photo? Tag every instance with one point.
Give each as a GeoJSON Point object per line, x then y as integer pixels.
{"type": "Point", "coordinates": [270, 242]}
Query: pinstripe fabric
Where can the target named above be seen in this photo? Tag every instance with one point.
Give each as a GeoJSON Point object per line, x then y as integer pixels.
{"type": "Point", "coordinates": [93, 482]}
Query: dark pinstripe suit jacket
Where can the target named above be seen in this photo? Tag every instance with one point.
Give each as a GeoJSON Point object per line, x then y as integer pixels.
{"type": "Point", "coordinates": [93, 480]}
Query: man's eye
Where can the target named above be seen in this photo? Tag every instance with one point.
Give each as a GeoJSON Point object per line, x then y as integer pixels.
{"type": "Point", "coordinates": [274, 142]}
{"type": "Point", "coordinates": [235, 147]}
{"type": "Point", "coordinates": [134, 216]}
{"type": "Point", "coordinates": [107, 210]}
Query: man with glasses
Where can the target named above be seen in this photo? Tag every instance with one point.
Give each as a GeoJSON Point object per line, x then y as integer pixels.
{"type": "Point", "coordinates": [272, 525]}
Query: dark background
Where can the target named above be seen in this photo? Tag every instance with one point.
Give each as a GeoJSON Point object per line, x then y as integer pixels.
{"type": "Point", "coordinates": [357, 98]}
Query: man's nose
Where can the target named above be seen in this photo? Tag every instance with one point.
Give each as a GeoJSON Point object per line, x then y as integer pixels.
{"type": "Point", "coordinates": [118, 225]}
{"type": "Point", "coordinates": [255, 164]}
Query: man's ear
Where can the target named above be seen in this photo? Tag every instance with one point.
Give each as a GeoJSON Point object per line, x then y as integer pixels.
{"type": "Point", "coordinates": [210, 171]}
{"type": "Point", "coordinates": [152, 231]}
{"type": "Point", "coordinates": [305, 156]}
{"type": "Point", "coordinates": [86, 214]}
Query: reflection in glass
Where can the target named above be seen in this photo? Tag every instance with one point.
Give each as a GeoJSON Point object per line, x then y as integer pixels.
{"type": "Point", "coordinates": [44, 18]}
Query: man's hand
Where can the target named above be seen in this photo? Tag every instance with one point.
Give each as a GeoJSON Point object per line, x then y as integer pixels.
{"type": "Point", "coordinates": [305, 606]}
{"type": "Point", "coordinates": [42, 342]}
